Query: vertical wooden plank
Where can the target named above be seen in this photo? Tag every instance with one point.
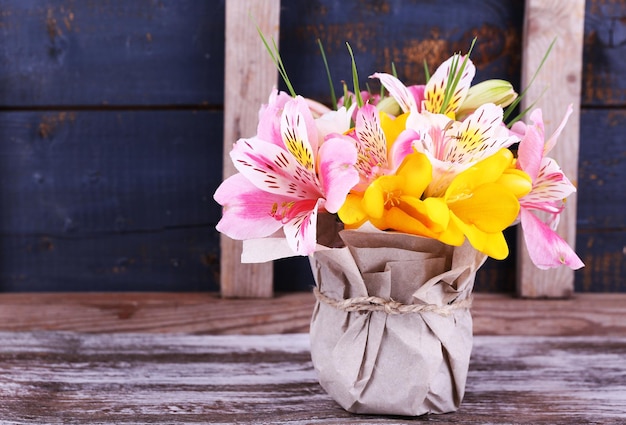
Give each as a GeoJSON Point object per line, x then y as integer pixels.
{"type": "Point", "coordinates": [561, 78]}
{"type": "Point", "coordinates": [249, 78]}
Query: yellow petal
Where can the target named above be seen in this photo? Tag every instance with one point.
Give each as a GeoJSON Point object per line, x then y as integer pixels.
{"type": "Point", "coordinates": [432, 212]}
{"type": "Point", "coordinates": [491, 244]}
{"type": "Point", "coordinates": [392, 127]}
{"type": "Point", "coordinates": [491, 207]}
{"type": "Point", "coordinates": [517, 181]}
{"type": "Point", "coordinates": [453, 235]}
{"type": "Point", "coordinates": [382, 190]}
{"type": "Point", "coordinates": [399, 220]}
{"type": "Point", "coordinates": [486, 171]}
{"type": "Point", "coordinates": [351, 212]}
{"type": "Point", "coordinates": [417, 171]}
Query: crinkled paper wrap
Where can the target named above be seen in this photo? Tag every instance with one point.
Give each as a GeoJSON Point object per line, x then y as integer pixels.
{"type": "Point", "coordinates": [401, 364]}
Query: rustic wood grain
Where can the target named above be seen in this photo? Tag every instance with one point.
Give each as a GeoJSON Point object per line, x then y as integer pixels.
{"type": "Point", "coordinates": [561, 78]}
{"type": "Point", "coordinates": [250, 76]}
{"type": "Point", "coordinates": [70, 378]}
{"type": "Point", "coordinates": [64, 56]}
{"type": "Point", "coordinates": [604, 59]}
{"type": "Point", "coordinates": [109, 200]}
{"type": "Point", "coordinates": [602, 170]}
{"type": "Point", "coordinates": [205, 313]}
{"type": "Point", "coordinates": [384, 32]}
{"type": "Point", "coordinates": [61, 52]}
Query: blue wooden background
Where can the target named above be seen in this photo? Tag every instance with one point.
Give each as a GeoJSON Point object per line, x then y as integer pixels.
{"type": "Point", "coordinates": [111, 129]}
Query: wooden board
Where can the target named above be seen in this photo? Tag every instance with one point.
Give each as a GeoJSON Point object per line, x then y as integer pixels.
{"type": "Point", "coordinates": [62, 57]}
{"type": "Point", "coordinates": [250, 77]}
{"type": "Point", "coordinates": [87, 172]}
{"type": "Point", "coordinates": [54, 378]}
{"type": "Point", "coordinates": [561, 79]}
{"type": "Point", "coordinates": [109, 200]}
{"type": "Point", "coordinates": [61, 52]}
{"type": "Point", "coordinates": [602, 170]}
{"type": "Point", "coordinates": [151, 260]}
{"type": "Point", "coordinates": [604, 64]}
{"type": "Point", "coordinates": [384, 32]}
{"type": "Point", "coordinates": [203, 313]}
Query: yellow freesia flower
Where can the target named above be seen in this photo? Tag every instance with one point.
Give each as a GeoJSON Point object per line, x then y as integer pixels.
{"type": "Point", "coordinates": [393, 202]}
{"type": "Point", "coordinates": [483, 201]}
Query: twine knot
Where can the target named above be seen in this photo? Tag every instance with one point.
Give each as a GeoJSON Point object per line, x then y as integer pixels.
{"type": "Point", "coordinates": [389, 306]}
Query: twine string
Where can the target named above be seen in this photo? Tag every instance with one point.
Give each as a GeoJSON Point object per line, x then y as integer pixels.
{"type": "Point", "coordinates": [389, 306]}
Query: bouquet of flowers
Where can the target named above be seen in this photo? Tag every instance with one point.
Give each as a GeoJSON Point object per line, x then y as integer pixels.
{"type": "Point", "coordinates": [397, 196]}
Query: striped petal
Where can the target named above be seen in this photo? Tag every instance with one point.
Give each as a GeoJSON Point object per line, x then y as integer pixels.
{"type": "Point", "coordinates": [434, 93]}
{"type": "Point", "coordinates": [550, 188]}
{"type": "Point", "coordinates": [299, 132]}
{"type": "Point", "coordinates": [273, 169]}
{"type": "Point", "coordinates": [247, 210]}
{"type": "Point", "coordinates": [372, 144]}
{"type": "Point", "coordinates": [337, 171]}
{"type": "Point", "coordinates": [479, 136]}
{"type": "Point", "coordinates": [398, 91]}
{"type": "Point", "coordinates": [545, 247]}
{"type": "Point", "coordinates": [301, 230]}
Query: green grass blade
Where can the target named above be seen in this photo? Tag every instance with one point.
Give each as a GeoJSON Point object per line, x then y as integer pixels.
{"type": "Point", "coordinates": [509, 110]}
{"type": "Point", "coordinates": [278, 63]}
{"type": "Point", "coordinates": [355, 79]}
{"type": "Point", "coordinates": [333, 97]}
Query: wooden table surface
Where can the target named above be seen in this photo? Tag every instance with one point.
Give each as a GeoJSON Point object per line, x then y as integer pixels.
{"type": "Point", "coordinates": [59, 377]}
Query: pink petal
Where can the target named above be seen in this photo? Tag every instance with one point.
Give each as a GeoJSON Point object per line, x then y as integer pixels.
{"type": "Point", "coordinates": [298, 126]}
{"type": "Point", "coordinates": [273, 169]}
{"type": "Point", "coordinates": [403, 146]}
{"type": "Point", "coordinates": [552, 140]}
{"type": "Point", "coordinates": [372, 143]}
{"type": "Point", "coordinates": [546, 248]}
{"type": "Point", "coordinates": [247, 210]}
{"type": "Point", "coordinates": [550, 188]}
{"type": "Point", "coordinates": [338, 173]}
{"type": "Point", "coordinates": [268, 128]}
{"type": "Point", "coordinates": [301, 231]}
{"type": "Point", "coordinates": [438, 81]}
{"type": "Point", "coordinates": [480, 135]}
{"type": "Point", "coordinates": [418, 94]}
{"type": "Point", "coordinates": [530, 152]}
{"type": "Point", "coordinates": [398, 91]}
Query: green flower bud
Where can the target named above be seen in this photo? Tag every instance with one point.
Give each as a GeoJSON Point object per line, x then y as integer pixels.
{"type": "Point", "coordinates": [390, 106]}
{"type": "Point", "coordinates": [499, 92]}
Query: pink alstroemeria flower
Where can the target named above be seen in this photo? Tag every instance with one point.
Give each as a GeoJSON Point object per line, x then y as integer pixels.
{"type": "Point", "coordinates": [285, 178]}
{"type": "Point", "coordinates": [454, 146]}
{"type": "Point", "coordinates": [377, 155]}
{"type": "Point", "coordinates": [430, 97]}
{"type": "Point", "coordinates": [549, 189]}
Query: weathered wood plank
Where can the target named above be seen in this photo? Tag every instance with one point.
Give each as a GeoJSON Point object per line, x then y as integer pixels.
{"type": "Point", "coordinates": [119, 261]}
{"type": "Point", "coordinates": [384, 32]}
{"type": "Point", "coordinates": [204, 313]}
{"type": "Point", "coordinates": [602, 170]}
{"type": "Point", "coordinates": [561, 77]}
{"type": "Point", "coordinates": [604, 82]}
{"type": "Point", "coordinates": [145, 52]}
{"type": "Point", "coordinates": [250, 76]}
{"type": "Point", "coordinates": [78, 173]}
{"type": "Point", "coordinates": [605, 265]}
{"type": "Point", "coordinates": [55, 378]}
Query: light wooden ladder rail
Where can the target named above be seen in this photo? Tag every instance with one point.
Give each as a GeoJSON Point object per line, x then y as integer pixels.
{"type": "Point", "coordinates": [250, 74]}
{"type": "Point", "coordinates": [561, 78]}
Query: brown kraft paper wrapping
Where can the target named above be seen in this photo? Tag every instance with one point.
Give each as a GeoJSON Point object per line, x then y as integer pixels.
{"type": "Point", "coordinates": [408, 363]}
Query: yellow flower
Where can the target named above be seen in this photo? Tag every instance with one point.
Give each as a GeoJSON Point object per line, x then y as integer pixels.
{"type": "Point", "coordinates": [393, 202]}
{"type": "Point", "coordinates": [483, 201]}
